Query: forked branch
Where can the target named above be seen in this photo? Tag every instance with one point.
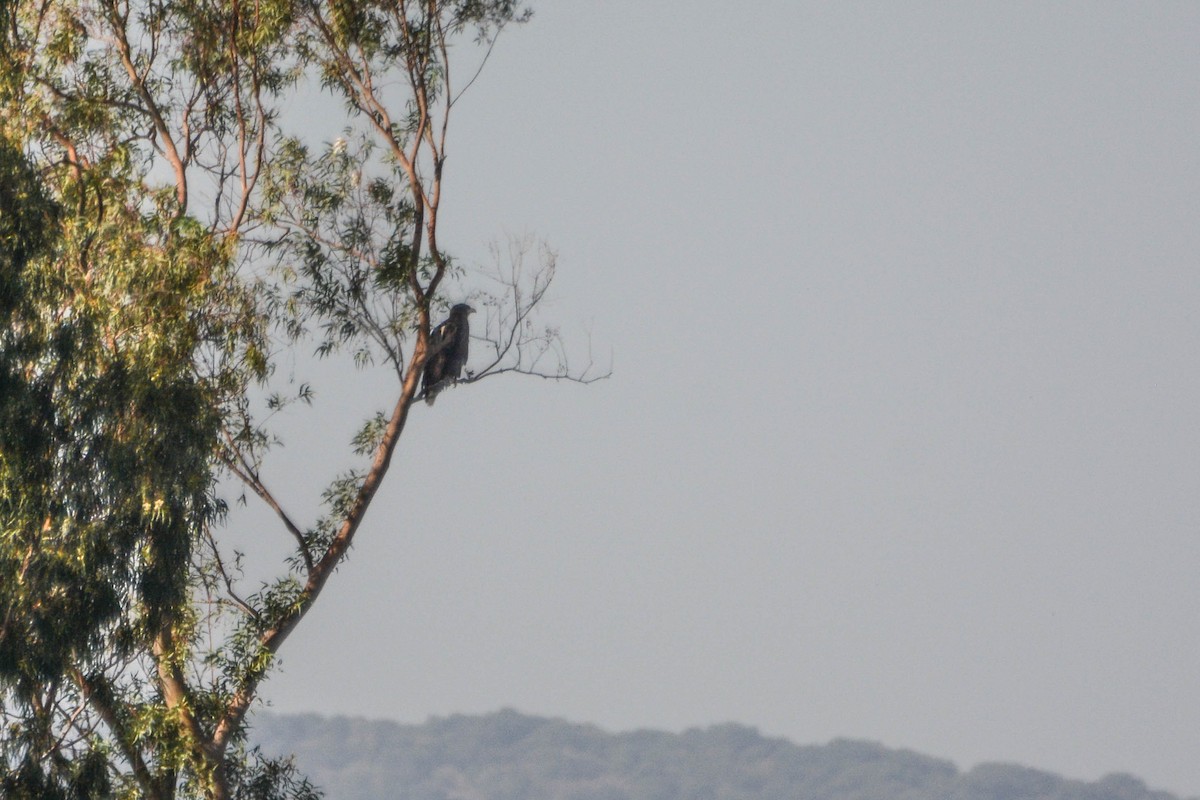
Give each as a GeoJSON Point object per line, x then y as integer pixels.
{"type": "Point", "coordinates": [512, 339]}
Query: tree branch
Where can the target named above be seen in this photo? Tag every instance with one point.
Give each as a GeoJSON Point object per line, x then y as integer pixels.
{"type": "Point", "coordinates": [273, 638]}
{"type": "Point", "coordinates": [98, 695]}
{"type": "Point", "coordinates": [249, 476]}
{"type": "Point", "coordinates": [120, 33]}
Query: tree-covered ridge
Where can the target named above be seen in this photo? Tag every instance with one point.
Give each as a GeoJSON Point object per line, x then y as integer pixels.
{"type": "Point", "coordinates": [511, 756]}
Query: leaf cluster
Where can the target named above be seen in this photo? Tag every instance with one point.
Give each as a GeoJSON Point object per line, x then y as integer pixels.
{"type": "Point", "coordinates": [345, 249]}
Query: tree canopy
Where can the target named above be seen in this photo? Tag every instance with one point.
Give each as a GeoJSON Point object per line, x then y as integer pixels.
{"type": "Point", "coordinates": [165, 241]}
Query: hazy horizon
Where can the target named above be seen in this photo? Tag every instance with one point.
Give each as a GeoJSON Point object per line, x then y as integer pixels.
{"type": "Point", "coordinates": [274, 719]}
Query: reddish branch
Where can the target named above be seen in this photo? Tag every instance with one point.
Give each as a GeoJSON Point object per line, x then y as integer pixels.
{"type": "Point", "coordinates": [273, 638]}
{"type": "Point", "coordinates": [120, 24]}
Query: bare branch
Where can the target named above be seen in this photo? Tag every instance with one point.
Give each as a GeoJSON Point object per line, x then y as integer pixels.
{"type": "Point", "coordinates": [237, 463]}
{"type": "Point", "coordinates": [479, 71]}
{"type": "Point", "coordinates": [227, 579]}
{"type": "Point", "coordinates": [515, 342]}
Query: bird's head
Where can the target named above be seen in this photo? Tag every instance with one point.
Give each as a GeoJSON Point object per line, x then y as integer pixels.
{"type": "Point", "coordinates": [462, 309]}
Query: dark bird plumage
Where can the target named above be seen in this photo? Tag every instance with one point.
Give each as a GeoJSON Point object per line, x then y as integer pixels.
{"type": "Point", "coordinates": [449, 344]}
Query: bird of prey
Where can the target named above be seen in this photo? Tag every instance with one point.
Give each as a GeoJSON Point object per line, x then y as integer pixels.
{"type": "Point", "coordinates": [448, 345]}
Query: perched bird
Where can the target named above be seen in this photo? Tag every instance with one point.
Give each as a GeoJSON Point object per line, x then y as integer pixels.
{"type": "Point", "coordinates": [448, 346]}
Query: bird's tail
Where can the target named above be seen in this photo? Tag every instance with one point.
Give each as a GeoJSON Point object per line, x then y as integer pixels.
{"type": "Point", "coordinates": [431, 392]}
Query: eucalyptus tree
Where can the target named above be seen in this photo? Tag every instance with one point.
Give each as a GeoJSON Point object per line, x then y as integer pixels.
{"type": "Point", "coordinates": [165, 241]}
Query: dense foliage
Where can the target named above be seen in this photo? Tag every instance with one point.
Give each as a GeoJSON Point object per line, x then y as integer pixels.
{"type": "Point", "coordinates": [107, 435]}
{"type": "Point", "coordinates": [510, 756]}
{"type": "Point", "coordinates": [165, 241]}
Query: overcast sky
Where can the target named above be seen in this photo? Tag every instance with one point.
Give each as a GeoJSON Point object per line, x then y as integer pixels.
{"type": "Point", "coordinates": [901, 442]}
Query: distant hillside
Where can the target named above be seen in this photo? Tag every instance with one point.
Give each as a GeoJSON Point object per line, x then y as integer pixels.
{"type": "Point", "coordinates": [510, 756]}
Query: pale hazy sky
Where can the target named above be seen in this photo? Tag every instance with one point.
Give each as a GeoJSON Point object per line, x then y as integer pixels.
{"type": "Point", "coordinates": [902, 440]}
